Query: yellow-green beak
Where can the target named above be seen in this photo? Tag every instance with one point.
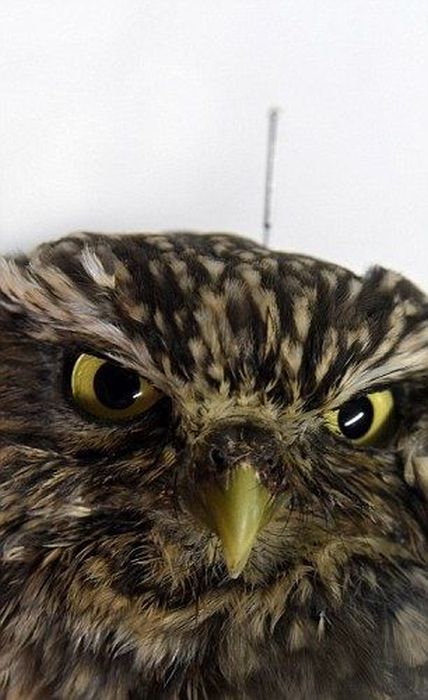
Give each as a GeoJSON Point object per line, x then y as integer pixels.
{"type": "Point", "coordinates": [236, 510]}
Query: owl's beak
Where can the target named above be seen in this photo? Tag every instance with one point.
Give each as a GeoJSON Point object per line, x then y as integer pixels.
{"type": "Point", "coordinates": [235, 509]}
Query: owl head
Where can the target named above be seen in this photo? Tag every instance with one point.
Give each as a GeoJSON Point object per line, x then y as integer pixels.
{"type": "Point", "coordinates": [194, 420]}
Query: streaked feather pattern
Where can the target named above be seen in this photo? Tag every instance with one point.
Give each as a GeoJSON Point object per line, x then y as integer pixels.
{"type": "Point", "coordinates": [109, 586]}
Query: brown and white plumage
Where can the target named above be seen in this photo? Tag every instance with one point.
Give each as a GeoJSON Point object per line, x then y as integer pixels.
{"type": "Point", "coordinates": [116, 579]}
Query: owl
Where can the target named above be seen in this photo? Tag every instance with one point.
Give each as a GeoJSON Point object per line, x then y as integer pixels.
{"type": "Point", "coordinates": [213, 474]}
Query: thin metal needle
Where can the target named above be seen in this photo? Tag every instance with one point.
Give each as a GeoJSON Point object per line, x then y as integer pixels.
{"type": "Point", "coordinates": [270, 161]}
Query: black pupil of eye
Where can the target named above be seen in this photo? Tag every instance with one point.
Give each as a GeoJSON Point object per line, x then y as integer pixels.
{"type": "Point", "coordinates": [116, 387]}
{"type": "Point", "coordinates": [356, 417]}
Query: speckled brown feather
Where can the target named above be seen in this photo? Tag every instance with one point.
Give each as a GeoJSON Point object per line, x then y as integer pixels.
{"type": "Point", "coordinates": [109, 588]}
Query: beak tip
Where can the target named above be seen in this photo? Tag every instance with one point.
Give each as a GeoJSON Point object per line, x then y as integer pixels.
{"type": "Point", "coordinates": [235, 574]}
{"type": "Point", "coordinates": [236, 564]}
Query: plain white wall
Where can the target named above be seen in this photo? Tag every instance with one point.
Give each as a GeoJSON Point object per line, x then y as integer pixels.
{"type": "Point", "coordinates": [152, 115]}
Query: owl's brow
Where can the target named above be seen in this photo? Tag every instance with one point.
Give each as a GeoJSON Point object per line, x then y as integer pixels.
{"type": "Point", "coordinates": [382, 377]}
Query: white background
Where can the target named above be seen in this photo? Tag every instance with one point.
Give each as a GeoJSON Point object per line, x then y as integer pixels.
{"type": "Point", "coordinates": [148, 115]}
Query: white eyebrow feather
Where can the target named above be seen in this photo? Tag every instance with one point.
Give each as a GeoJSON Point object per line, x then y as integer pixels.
{"type": "Point", "coordinates": [95, 268]}
{"type": "Point", "coordinates": [409, 359]}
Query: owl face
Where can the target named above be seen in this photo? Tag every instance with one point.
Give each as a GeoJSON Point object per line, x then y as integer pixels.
{"type": "Point", "coordinates": [195, 420]}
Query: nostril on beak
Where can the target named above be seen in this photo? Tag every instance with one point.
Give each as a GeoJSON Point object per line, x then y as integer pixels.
{"type": "Point", "coordinates": [272, 462]}
{"type": "Point", "coordinates": [221, 459]}
{"type": "Point", "coordinates": [217, 457]}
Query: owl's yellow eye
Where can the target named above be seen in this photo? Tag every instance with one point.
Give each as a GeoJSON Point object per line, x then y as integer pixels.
{"type": "Point", "coordinates": [367, 420]}
{"type": "Point", "coordinates": [109, 391]}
